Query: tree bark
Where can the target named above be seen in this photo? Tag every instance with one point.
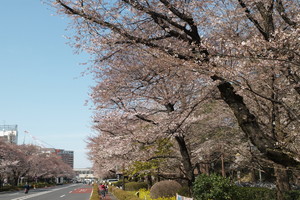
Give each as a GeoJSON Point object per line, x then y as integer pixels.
{"type": "Point", "coordinates": [252, 175]}
{"type": "Point", "coordinates": [149, 181]}
{"type": "Point", "coordinates": [282, 182]}
{"type": "Point", "coordinates": [186, 160]}
{"type": "Point", "coordinates": [249, 124]}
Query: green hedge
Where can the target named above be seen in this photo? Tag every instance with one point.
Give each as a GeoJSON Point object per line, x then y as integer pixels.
{"type": "Point", "coordinates": [119, 183]}
{"type": "Point", "coordinates": [21, 186]}
{"type": "Point", "coordinates": [252, 193]}
{"type": "Point", "coordinates": [40, 184]}
{"type": "Point", "coordinates": [135, 186]}
{"type": "Point", "coordinates": [122, 195]}
{"type": "Point", "coordinates": [214, 187]}
{"type": "Point", "coordinates": [95, 193]}
{"type": "Point", "coordinates": [292, 195]}
{"type": "Point", "coordinates": [9, 188]}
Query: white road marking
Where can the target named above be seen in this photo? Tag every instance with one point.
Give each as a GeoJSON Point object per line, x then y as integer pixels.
{"type": "Point", "coordinates": [27, 196]}
{"type": "Point", "coordinates": [62, 196]}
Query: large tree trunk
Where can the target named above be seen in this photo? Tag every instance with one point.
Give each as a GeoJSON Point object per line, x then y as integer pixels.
{"type": "Point", "coordinates": [282, 182]}
{"type": "Point", "coordinates": [186, 160]}
{"type": "Point", "coordinates": [249, 124]}
{"type": "Point", "coordinates": [149, 181]}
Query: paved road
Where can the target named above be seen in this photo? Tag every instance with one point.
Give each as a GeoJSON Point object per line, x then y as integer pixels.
{"type": "Point", "coordinates": [65, 192]}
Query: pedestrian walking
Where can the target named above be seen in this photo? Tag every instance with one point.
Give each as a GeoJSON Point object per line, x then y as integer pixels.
{"type": "Point", "coordinates": [26, 187]}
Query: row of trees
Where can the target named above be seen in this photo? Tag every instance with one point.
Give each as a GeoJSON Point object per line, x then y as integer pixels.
{"type": "Point", "coordinates": [29, 162]}
{"type": "Point", "coordinates": [206, 77]}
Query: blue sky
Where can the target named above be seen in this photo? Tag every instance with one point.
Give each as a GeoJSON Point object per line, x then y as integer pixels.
{"type": "Point", "coordinates": [42, 90]}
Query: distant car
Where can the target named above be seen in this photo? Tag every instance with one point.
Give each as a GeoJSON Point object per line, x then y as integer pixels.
{"type": "Point", "coordinates": [109, 181]}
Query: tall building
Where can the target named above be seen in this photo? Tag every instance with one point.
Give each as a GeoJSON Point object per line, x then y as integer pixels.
{"type": "Point", "coordinates": [66, 156]}
{"type": "Point", "coordinates": [9, 133]}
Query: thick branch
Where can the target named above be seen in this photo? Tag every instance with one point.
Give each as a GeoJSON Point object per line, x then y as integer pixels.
{"type": "Point", "coordinates": [266, 14]}
{"type": "Point", "coordinates": [158, 157]}
{"type": "Point", "coordinates": [253, 20]}
{"type": "Point", "coordinates": [120, 31]}
{"type": "Point", "coordinates": [281, 10]}
{"type": "Point", "coordinates": [146, 120]}
{"type": "Point", "coordinates": [249, 124]}
{"type": "Point", "coordinates": [194, 30]}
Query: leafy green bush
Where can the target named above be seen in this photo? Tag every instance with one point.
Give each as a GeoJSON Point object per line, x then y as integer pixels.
{"type": "Point", "coordinates": [95, 193]}
{"type": "Point", "coordinates": [167, 188]}
{"type": "Point", "coordinates": [213, 187]}
{"type": "Point", "coordinates": [135, 186]}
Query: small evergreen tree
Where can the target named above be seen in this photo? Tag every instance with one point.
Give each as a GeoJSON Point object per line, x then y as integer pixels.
{"type": "Point", "coordinates": [213, 187]}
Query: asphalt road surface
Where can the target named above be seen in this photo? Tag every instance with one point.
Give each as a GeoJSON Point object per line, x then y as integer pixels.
{"type": "Point", "coordinates": [63, 192]}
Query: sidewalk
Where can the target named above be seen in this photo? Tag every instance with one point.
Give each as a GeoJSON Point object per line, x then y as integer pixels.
{"type": "Point", "coordinates": [109, 196]}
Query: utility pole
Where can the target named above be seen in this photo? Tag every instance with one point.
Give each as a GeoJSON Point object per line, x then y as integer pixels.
{"type": "Point", "coordinates": [223, 167]}
{"type": "Point", "coordinates": [222, 161]}
{"type": "Point", "coordinates": [123, 176]}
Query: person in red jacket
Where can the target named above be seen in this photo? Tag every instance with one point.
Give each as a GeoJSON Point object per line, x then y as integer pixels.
{"type": "Point", "coordinates": [102, 190]}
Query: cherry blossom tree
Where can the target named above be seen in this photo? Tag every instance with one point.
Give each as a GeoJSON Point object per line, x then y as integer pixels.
{"type": "Point", "coordinates": [164, 106]}
{"type": "Point", "coordinates": [13, 162]}
{"type": "Point", "coordinates": [122, 143]}
{"type": "Point", "coordinates": [248, 49]}
{"type": "Point", "coordinates": [233, 42]}
{"type": "Point", "coordinates": [45, 166]}
{"type": "Point", "coordinates": [17, 161]}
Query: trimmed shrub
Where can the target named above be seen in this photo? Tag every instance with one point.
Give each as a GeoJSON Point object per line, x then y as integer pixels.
{"type": "Point", "coordinates": [184, 191]}
{"type": "Point", "coordinates": [167, 188]}
{"type": "Point", "coordinates": [145, 194]}
{"type": "Point", "coordinates": [135, 186]}
{"type": "Point", "coordinates": [213, 187]}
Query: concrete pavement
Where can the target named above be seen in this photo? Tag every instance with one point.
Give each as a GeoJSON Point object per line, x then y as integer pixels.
{"type": "Point", "coordinates": [109, 196]}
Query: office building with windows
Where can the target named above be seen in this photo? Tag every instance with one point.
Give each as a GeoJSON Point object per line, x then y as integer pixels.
{"type": "Point", "coordinates": [66, 156]}
{"type": "Point", "coordinates": [9, 133]}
